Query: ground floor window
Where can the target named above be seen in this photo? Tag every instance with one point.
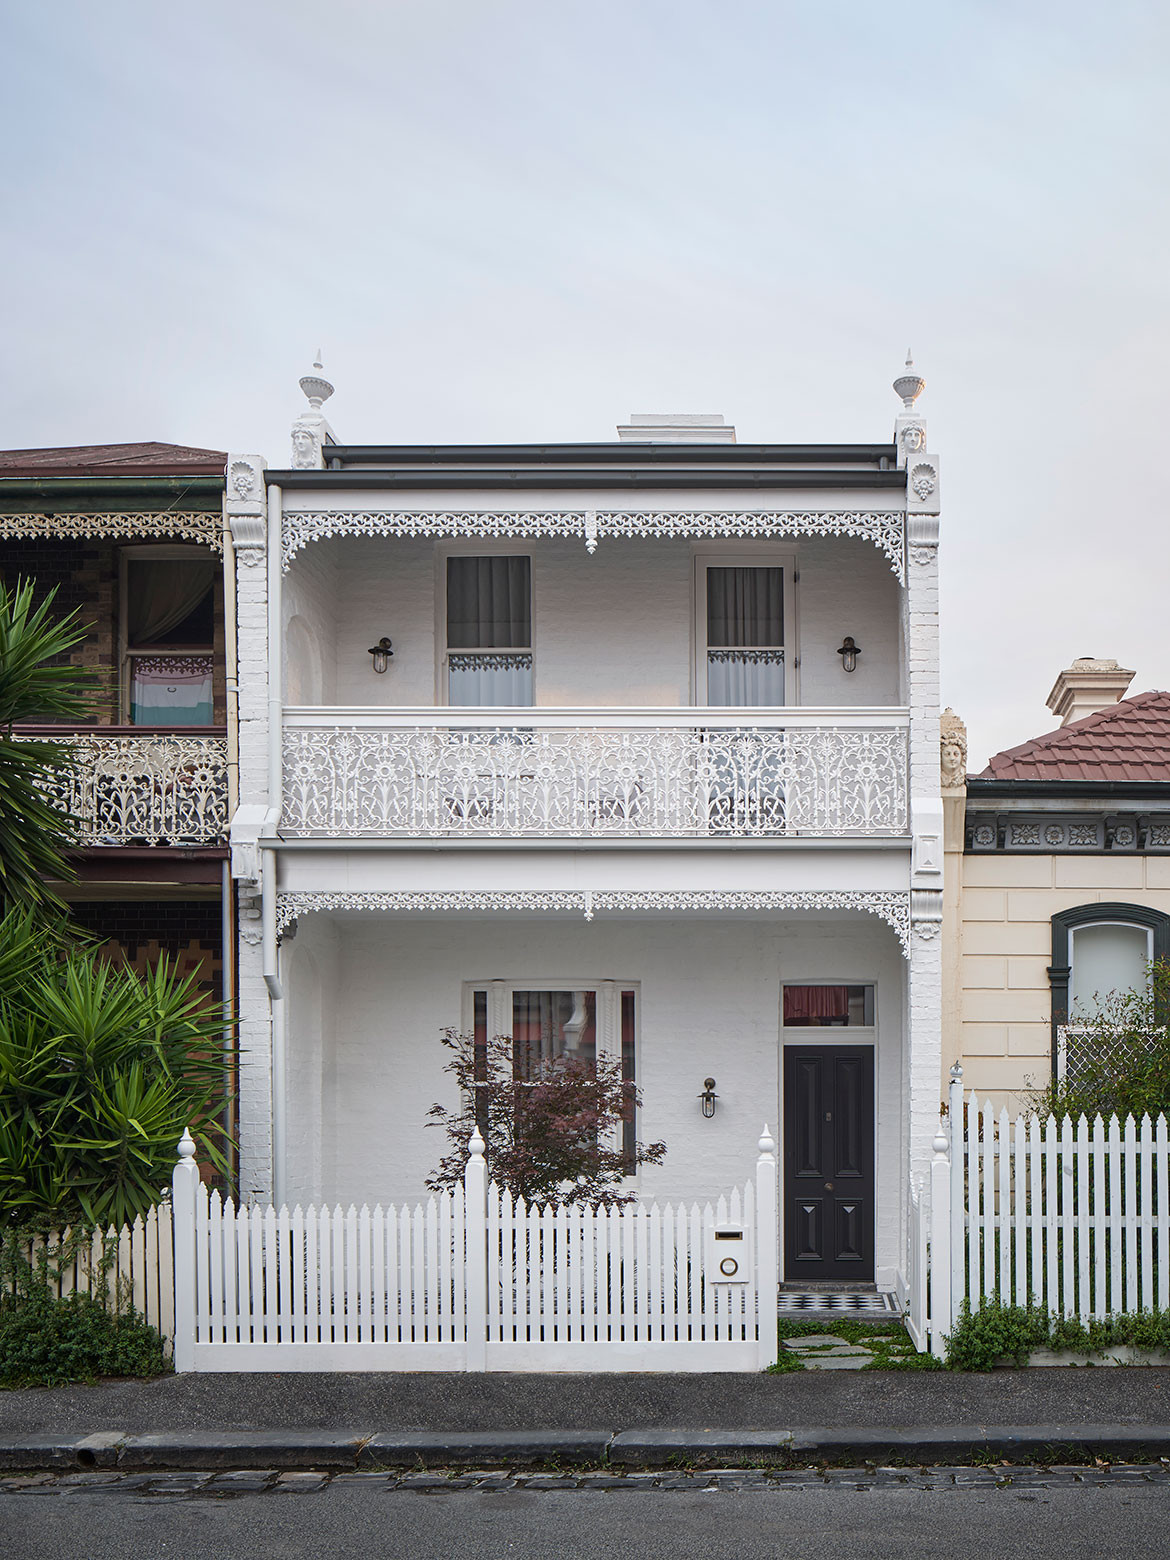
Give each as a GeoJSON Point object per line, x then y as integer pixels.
{"type": "Point", "coordinates": [1100, 952]}
{"type": "Point", "coordinates": [821, 1007]}
{"type": "Point", "coordinates": [584, 1022]}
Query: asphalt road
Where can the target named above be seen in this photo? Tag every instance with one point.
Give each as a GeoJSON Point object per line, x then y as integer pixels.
{"type": "Point", "coordinates": [372, 1521]}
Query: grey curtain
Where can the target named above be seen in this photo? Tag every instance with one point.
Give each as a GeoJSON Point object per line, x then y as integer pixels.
{"type": "Point", "coordinates": [161, 594]}
{"type": "Point", "coordinates": [745, 607]}
{"type": "Point", "coordinates": [489, 603]}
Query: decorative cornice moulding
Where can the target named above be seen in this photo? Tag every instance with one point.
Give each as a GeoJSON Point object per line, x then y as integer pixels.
{"type": "Point", "coordinates": [885, 529]}
{"type": "Point", "coordinates": [892, 906]}
{"type": "Point", "coordinates": [185, 524]}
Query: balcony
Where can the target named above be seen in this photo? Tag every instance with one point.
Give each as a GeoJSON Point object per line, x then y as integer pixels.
{"type": "Point", "coordinates": [138, 787]}
{"type": "Point", "coordinates": [584, 774]}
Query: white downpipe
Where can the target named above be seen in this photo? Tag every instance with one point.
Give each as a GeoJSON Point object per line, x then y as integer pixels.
{"type": "Point", "coordinates": [268, 855]}
{"type": "Point", "coordinates": [276, 995]}
{"type": "Point", "coordinates": [275, 658]}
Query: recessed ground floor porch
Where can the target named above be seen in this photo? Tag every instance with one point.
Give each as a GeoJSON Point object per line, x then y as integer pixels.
{"type": "Point", "coordinates": [801, 1018]}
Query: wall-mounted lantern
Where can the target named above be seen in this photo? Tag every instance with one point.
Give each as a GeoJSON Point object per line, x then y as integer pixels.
{"type": "Point", "coordinates": [381, 653]}
{"type": "Point", "coordinates": [849, 652]}
{"type": "Point", "coordinates": [708, 1097]}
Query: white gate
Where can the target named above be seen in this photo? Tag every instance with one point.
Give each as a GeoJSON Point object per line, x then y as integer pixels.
{"type": "Point", "coordinates": [471, 1280]}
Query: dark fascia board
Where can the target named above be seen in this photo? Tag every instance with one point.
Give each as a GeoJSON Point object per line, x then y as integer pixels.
{"type": "Point", "coordinates": [986, 791]}
{"type": "Point", "coordinates": [631, 454]}
{"type": "Point", "coordinates": [535, 477]}
{"type": "Point", "coordinates": [75, 495]}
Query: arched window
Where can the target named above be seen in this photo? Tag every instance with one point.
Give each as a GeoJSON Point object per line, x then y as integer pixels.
{"type": "Point", "coordinates": [1098, 950]}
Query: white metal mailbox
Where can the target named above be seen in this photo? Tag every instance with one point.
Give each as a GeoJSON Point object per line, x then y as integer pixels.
{"type": "Point", "coordinates": [729, 1254]}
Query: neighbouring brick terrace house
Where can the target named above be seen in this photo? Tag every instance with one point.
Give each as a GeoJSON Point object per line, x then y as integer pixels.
{"type": "Point", "coordinates": [132, 535]}
{"type": "Point", "coordinates": [1057, 878]}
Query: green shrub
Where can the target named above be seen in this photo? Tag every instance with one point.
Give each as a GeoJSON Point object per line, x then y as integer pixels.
{"type": "Point", "coordinates": [993, 1332]}
{"type": "Point", "coordinates": [982, 1338]}
{"type": "Point", "coordinates": [101, 1069]}
{"type": "Point", "coordinates": [45, 1342]}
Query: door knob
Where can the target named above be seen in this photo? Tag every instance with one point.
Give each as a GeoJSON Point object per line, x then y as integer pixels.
{"type": "Point", "coordinates": [828, 1186]}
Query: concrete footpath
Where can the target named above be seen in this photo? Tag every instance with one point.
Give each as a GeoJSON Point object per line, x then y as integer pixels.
{"type": "Point", "coordinates": [429, 1420]}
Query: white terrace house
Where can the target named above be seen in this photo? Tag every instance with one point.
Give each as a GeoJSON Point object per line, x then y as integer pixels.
{"type": "Point", "coordinates": [628, 747]}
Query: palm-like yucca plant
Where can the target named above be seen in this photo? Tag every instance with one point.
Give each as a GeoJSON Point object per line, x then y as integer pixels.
{"type": "Point", "coordinates": [101, 1068]}
{"type": "Point", "coordinates": [35, 685]}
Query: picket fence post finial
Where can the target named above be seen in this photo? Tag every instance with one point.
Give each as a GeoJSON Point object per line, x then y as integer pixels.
{"type": "Point", "coordinates": [767, 1143]}
{"type": "Point", "coordinates": [186, 1145]}
{"type": "Point", "coordinates": [476, 1145]}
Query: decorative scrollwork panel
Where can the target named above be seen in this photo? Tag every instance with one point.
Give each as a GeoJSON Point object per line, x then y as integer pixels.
{"type": "Point", "coordinates": [148, 790]}
{"type": "Point", "coordinates": [595, 783]}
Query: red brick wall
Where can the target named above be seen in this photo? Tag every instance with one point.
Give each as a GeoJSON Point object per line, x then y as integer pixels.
{"type": "Point", "coordinates": [135, 932]}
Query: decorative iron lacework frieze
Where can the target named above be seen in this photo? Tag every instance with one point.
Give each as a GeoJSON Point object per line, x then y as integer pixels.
{"type": "Point", "coordinates": [588, 782]}
{"type": "Point", "coordinates": [147, 790]}
{"type": "Point", "coordinates": [184, 524]}
{"type": "Point", "coordinates": [884, 528]}
{"type": "Point", "coordinates": [892, 906]}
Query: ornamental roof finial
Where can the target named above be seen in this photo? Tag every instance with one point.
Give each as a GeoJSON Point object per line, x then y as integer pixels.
{"type": "Point", "coordinates": [909, 385]}
{"type": "Point", "coordinates": [316, 387]}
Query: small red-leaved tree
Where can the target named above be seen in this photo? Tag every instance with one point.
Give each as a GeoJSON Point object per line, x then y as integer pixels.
{"type": "Point", "coordinates": [549, 1136]}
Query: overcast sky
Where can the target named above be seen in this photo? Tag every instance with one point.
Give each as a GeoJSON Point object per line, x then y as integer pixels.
{"type": "Point", "coordinates": [525, 219]}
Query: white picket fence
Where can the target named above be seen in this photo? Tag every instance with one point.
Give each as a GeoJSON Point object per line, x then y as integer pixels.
{"type": "Point", "coordinates": [130, 1266]}
{"type": "Point", "coordinates": [1073, 1215]}
{"type": "Point", "coordinates": [470, 1280]}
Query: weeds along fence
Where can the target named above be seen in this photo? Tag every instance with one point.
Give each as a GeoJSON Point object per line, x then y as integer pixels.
{"type": "Point", "coordinates": [472, 1279]}
{"type": "Point", "coordinates": [127, 1267]}
{"type": "Point", "coordinates": [1072, 1215]}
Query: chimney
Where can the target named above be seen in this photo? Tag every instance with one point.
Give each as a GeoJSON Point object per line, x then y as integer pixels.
{"type": "Point", "coordinates": [1087, 686]}
{"type": "Point", "coordinates": [676, 428]}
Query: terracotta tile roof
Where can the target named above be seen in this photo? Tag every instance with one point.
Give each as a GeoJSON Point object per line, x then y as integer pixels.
{"type": "Point", "coordinates": [113, 460]}
{"type": "Point", "coordinates": [1127, 742]}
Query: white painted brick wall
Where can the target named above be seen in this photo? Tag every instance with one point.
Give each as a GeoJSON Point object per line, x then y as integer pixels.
{"type": "Point", "coordinates": [709, 1005]}
{"type": "Point", "coordinates": [616, 628]}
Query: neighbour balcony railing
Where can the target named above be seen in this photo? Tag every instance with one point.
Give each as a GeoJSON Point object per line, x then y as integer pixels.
{"type": "Point", "coordinates": [143, 788]}
{"type": "Point", "coordinates": [588, 774]}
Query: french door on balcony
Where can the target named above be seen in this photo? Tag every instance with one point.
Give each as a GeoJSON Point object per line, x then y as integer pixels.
{"type": "Point", "coordinates": [744, 609]}
{"type": "Point", "coordinates": [489, 630]}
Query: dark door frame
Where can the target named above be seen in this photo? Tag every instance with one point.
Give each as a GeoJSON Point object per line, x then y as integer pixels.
{"type": "Point", "coordinates": [830, 1039]}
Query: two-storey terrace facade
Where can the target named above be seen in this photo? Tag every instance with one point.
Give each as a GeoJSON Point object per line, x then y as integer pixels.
{"type": "Point", "coordinates": [626, 748]}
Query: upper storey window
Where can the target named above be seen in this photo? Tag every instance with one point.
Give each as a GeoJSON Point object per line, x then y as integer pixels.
{"type": "Point", "coordinates": [745, 634]}
{"type": "Point", "coordinates": [489, 631]}
{"type": "Point", "coordinates": [169, 633]}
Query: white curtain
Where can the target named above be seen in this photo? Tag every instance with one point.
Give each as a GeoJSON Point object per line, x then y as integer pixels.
{"type": "Point", "coordinates": [745, 636]}
{"type": "Point", "coordinates": [161, 594]}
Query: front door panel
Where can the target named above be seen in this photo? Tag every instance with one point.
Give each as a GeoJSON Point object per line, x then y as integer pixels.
{"type": "Point", "coordinates": [828, 1163]}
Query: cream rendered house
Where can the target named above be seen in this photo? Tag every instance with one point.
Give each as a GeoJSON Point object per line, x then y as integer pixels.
{"type": "Point", "coordinates": [1058, 878]}
{"type": "Point", "coordinates": [627, 747]}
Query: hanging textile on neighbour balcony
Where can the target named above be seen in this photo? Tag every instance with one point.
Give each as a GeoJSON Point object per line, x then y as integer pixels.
{"type": "Point", "coordinates": [171, 691]}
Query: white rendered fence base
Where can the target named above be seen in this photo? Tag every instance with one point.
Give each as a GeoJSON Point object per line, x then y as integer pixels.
{"type": "Point", "coordinates": [1071, 1215]}
{"type": "Point", "coordinates": [470, 1280]}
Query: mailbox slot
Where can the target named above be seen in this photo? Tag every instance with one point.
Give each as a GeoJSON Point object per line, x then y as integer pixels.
{"type": "Point", "coordinates": [729, 1254]}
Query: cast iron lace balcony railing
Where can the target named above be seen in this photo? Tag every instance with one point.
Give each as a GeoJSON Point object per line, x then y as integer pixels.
{"type": "Point", "coordinates": [588, 774]}
{"type": "Point", "coordinates": [143, 788]}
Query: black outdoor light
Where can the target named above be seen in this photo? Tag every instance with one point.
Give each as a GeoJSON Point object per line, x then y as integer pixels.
{"type": "Point", "coordinates": [381, 653]}
{"type": "Point", "coordinates": [849, 652]}
{"type": "Point", "coordinates": [708, 1097]}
